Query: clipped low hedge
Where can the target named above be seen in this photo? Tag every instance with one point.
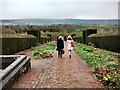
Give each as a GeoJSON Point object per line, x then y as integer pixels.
{"type": "Point", "coordinates": [16, 36]}
{"type": "Point", "coordinates": [14, 43]}
{"type": "Point", "coordinates": [108, 42]}
{"type": "Point", "coordinates": [45, 39]}
{"type": "Point", "coordinates": [78, 39]}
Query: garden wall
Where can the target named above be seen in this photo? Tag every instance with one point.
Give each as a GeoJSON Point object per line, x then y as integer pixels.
{"type": "Point", "coordinates": [13, 44]}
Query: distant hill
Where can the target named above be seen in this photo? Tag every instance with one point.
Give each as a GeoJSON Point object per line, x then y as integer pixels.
{"type": "Point", "coordinates": [57, 21]}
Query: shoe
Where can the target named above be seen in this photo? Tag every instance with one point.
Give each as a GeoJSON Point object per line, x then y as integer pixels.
{"type": "Point", "coordinates": [69, 56]}
{"type": "Point", "coordinates": [58, 56]}
{"type": "Point", "coordinates": [61, 56]}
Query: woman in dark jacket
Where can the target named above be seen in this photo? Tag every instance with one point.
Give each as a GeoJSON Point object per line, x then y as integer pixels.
{"type": "Point", "coordinates": [60, 46]}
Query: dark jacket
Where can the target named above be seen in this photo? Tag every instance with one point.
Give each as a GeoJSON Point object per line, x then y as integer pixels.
{"type": "Point", "coordinates": [60, 44]}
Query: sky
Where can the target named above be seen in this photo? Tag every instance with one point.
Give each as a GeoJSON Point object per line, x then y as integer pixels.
{"type": "Point", "coordinates": [59, 9]}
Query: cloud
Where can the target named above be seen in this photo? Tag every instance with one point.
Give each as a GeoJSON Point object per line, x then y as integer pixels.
{"type": "Point", "coordinates": [49, 9]}
{"type": "Point", "coordinates": [59, 1]}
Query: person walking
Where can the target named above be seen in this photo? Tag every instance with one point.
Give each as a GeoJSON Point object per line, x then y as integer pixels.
{"type": "Point", "coordinates": [60, 46]}
{"type": "Point", "coordinates": [70, 45]}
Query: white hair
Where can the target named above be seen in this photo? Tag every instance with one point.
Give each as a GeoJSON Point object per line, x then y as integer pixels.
{"type": "Point", "coordinates": [60, 37]}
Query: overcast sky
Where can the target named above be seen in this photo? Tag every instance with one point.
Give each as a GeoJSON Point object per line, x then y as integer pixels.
{"type": "Point", "coordinates": [59, 9]}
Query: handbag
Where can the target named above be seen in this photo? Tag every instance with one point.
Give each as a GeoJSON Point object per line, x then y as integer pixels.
{"type": "Point", "coordinates": [63, 51]}
{"type": "Point", "coordinates": [72, 44]}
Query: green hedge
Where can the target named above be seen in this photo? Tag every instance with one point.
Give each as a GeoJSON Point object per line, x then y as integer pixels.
{"type": "Point", "coordinates": [13, 44]}
{"type": "Point", "coordinates": [109, 42]}
{"type": "Point", "coordinates": [78, 39]}
{"type": "Point", "coordinates": [45, 39]}
{"type": "Point", "coordinates": [36, 33]}
{"type": "Point", "coordinates": [86, 33]}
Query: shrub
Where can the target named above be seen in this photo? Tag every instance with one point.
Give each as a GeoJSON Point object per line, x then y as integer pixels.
{"type": "Point", "coordinates": [14, 43]}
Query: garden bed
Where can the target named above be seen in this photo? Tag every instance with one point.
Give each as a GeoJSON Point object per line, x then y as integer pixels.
{"type": "Point", "coordinates": [41, 51]}
{"type": "Point", "coordinates": [103, 63]}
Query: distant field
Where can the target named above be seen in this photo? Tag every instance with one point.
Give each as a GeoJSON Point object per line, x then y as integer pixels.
{"type": "Point", "coordinates": [58, 21]}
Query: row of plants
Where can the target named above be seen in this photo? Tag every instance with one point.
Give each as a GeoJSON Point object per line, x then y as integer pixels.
{"type": "Point", "coordinates": [44, 51]}
{"type": "Point", "coordinates": [103, 63]}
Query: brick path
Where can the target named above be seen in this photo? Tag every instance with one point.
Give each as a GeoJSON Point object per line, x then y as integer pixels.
{"type": "Point", "coordinates": [59, 73]}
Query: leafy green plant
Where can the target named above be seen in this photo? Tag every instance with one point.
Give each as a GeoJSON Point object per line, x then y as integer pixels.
{"type": "Point", "coordinates": [87, 49]}
{"type": "Point", "coordinates": [44, 51]}
{"type": "Point", "coordinates": [36, 53]}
